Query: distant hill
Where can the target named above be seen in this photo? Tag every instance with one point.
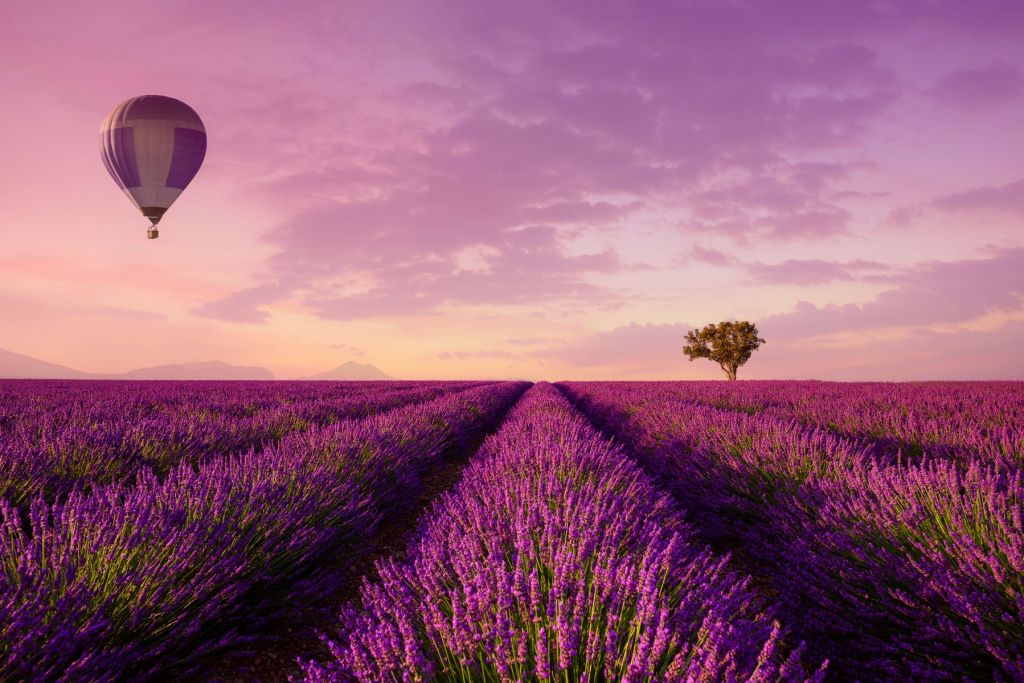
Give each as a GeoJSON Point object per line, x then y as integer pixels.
{"type": "Point", "coordinates": [19, 366]}
{"type": "Point", "coordinates": [209, 370]}
{"type": "Point", "coordinates": [352, 371]}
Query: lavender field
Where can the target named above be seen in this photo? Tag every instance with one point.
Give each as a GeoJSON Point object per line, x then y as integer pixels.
{"type": "Point", "coordinates": [502, 531]}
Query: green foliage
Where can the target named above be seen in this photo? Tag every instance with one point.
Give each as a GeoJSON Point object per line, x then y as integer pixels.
{"type": "Point", "coordinates": [730, 344]}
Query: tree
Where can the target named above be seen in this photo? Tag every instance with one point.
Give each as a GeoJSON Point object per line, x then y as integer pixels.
{"type": "Point", "coordinates": [729, 344]}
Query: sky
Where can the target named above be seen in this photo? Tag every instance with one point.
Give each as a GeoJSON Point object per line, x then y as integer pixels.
{"type": "Point", "coordinates": [537, 190]}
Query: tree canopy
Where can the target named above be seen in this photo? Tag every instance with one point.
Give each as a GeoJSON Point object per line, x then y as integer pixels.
{"type": "Point", "coordinates": [730, 344]}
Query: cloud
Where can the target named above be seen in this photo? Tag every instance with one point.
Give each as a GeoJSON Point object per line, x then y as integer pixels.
{"type": "Point", "coordinates": [818, 222]}
{"type": "Point", "coordinates": [929, 294]}
{"type": "Point", "coordinates": [815, 271]}
{"type": "Point", "coordinates": [921, 355]}
{"type": "Point", "coordinates": [554, 136]}
{"type": "Point", "coordinates": [979, 87]}
{"type": "Point", "coordinates": [526, 266]}
{"type": "Point", "coordinates": [240, 307]}
{"type": "Point", "coordinates": [710, 256]}
{"type": "Point", "coordinates": [1008, 198]}
{"type": "Point", "coordinates": [803, 272]}
{"type": "Point", "coordinates": [791, 203]}
{"type": "Point", "coordinates": [463, 355]}
{"type": "Point", "coordinates": [527, 341]}
{"type": "Point", "coordinates": [26, 310]}
{"type": "Point", "coordinates": [568, 212]}
{"type": "Point", "coordinates": [902, 216]}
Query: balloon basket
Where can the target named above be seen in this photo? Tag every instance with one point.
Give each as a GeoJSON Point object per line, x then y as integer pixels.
{"type": "Point", "coordinates": [152, 233]}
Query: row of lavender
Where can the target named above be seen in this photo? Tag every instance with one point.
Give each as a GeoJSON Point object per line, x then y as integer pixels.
{"type": "Point", "coordinates": [949, 420]}
{"type": "Point", "coordinates": [56, 436]}
{"type": "Point", "coordinates": [126, 580]}
{"type": "Point", "coordinates": [894, 570]}
{"type": "Point", "coordinates": [44, 405]}
{"type": "Point", "coordinates": [556, 558]}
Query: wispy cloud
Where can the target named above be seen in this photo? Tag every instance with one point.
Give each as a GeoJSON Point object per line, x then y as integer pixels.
{"type": "Point", "coordinates": [1008, 198]}
{"type": "Point", "coordinates": [980, 87]}
{"type": "Point", "coordinates": [817, 271]}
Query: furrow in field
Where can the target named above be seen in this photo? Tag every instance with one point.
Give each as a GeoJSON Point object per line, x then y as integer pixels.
{"type": "Point", "coordinates": [556, 558]}
{"type": "Point", "coordinates": [137, 582]}
{"type": "Point", "coordinates": [907, 571]}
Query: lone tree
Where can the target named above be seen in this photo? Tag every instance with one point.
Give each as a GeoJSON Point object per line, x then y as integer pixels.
{"type": "Point", "coordinates": [728, 343]}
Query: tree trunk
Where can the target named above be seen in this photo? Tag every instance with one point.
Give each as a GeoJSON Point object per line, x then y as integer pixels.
{"type": "Point", "coordinates": [731, 372]}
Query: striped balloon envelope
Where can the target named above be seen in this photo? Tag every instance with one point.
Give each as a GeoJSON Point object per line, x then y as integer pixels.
{"type": "Point", "coordinates": [153, 146]}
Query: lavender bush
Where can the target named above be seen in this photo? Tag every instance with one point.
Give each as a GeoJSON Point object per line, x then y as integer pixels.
{"type": "Point", "coordinates": [894, 570]}
{"type": "Point", "coordinates": [555, 558]}
{"type": "Point", "coordinates": [147, 528]}
{"type": "Point", "coordinates": [127, 580]}
{"type": "Point", "coordinates": [52, 447]}
{"type": "Point", "coordinates": [967, 421]}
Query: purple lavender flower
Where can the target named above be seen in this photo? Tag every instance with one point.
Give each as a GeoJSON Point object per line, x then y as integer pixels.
{"type": "Point", "coordinates": [130, 579]}
{"type": "Point", "coordinates": [595, 542]}
{"type": "Point", "coordinates": [891, 566]}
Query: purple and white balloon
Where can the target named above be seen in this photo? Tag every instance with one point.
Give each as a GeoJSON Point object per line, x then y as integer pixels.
{"type": "Point", "coordinates": [153, 146]}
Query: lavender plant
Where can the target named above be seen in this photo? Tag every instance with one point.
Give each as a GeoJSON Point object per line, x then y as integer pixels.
{"type": "Point", "coordinates": [555, 558]}
{"type": "Point", "coordinates": [964, 421]}
{"type": "Point", "coordinates": [896, 570]}
{"type": "Point", "coordinates": [128, 580]}
{"type": "Point", "coordinates": [51, 454]}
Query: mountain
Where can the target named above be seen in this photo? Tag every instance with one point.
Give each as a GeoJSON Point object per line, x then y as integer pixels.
{"type": "Point", "coordinates": [209, 370]}
{"type": "Point", "coordinates": [352, 370]}
{"type": "Point", "coordinates": [19, 366]}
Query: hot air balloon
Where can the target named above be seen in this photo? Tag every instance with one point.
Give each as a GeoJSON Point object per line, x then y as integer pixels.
{"type": "Point", "coordinates": [152, 146]}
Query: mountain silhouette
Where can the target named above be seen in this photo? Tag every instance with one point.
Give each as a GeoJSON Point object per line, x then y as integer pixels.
{"type": "Point", "coordinates": [352, 371]}
{"type": "Point", "coordinates": [214, 369]}
{"type": "Point", "coordinates": [19, 366]}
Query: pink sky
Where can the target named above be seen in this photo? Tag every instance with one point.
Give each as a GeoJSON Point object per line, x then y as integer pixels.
{"type": "Point", "coordinates": [542, 190]}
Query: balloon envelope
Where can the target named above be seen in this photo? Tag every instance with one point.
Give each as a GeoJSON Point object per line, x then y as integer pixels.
{"type": "Point", "coordinates": [153, 146]}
